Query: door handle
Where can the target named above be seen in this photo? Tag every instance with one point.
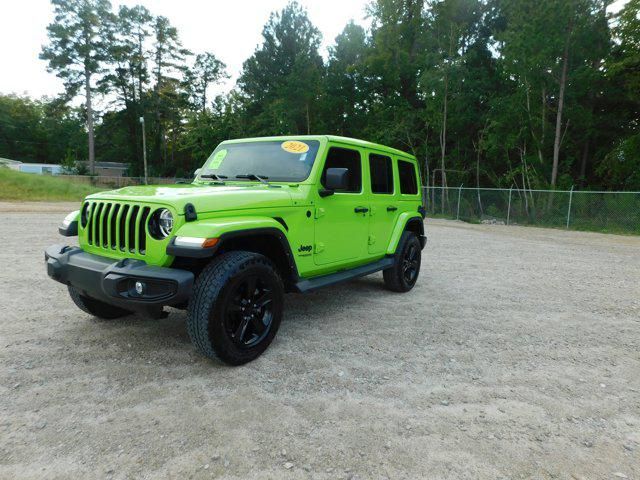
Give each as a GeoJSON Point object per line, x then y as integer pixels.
{"type": "Point", "coordinates": [361, 209]}
{"type": "Point", "coordinates": [391, 208]}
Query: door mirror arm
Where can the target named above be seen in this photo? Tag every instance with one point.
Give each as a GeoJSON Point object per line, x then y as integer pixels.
{"type": "Point", "coordinates": [325, 192]}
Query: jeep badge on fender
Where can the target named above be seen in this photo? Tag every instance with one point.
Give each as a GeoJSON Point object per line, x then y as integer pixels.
{"type": "Point", "coordinates": [264, 216]}
{"type": "Point", "coordinates": [304, 249]}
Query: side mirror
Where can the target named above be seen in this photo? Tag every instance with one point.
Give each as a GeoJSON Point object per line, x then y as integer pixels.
{"type": "Point", "coordinates": [335, 179]}
{"type": "Point", "coordinates": [197, 172]}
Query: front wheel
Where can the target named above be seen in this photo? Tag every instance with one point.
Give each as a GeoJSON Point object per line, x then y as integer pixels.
{"type": "Point", "coordinates": [236, 307]}
{"type": "Point", "coordinates": [404, 273]}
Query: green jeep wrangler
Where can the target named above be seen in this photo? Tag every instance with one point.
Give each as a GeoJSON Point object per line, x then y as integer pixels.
{"type": "Point", "coordinates": [264, 216]}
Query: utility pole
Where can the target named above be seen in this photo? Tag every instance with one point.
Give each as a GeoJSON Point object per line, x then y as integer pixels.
{"type": "Point", "coordinates": [144, 151]}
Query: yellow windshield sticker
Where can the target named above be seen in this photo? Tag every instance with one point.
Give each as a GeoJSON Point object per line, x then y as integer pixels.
{"type": "Point", "coordinates": [294, 146]}
{"type": "Point", "coordinates": [217, 159]}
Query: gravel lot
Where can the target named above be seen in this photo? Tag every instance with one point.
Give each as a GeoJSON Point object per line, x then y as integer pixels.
{"type": "Point", "coordinates": [516, 356]}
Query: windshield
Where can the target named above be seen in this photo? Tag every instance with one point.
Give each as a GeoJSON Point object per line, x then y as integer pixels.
{"type": "Point", "coordinates": [277, 161]}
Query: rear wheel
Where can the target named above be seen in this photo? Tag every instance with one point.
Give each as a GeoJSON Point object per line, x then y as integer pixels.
{"type": "Point", "coordinates": [404, 273]}
{"type": "Point", "coordinates": [96, 307]}
{"type": "Point", "coordinates": [236, 307]}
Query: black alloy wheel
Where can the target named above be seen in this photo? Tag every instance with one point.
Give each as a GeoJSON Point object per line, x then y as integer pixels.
{"type": "Point", "coordinates": [236, 307]}
{"type": "Point", "coordinates": [411, 264]}
{"type": "Point", "coordinates": [249, 310]}
{"type": "Point", "coordinates": [403, 275]}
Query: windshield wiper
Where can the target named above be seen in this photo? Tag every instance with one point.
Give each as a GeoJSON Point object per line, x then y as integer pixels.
{"type": "Point", "coordinates": [215, 176]}
{"type": "Point", "coordinates": [253, 176]}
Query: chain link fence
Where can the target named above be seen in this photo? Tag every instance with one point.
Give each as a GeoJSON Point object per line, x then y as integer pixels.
{"type": "Point", "coordinates": [617, 212]}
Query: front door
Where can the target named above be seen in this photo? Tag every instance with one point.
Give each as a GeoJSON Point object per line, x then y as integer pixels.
{"type": "Point", "coordinates": [341, 219]}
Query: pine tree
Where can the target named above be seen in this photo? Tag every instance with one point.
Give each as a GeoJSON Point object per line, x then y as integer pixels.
{"type": "Point", "coordinates": [282, 79]}
{"type": "Point", "coordinates": [76, 51]}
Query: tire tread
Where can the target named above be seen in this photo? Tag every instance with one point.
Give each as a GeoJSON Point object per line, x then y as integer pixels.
{"type": "Point", "coordinates": [207, 289]}
{"type": "Point", "coordinates": [392, 276]}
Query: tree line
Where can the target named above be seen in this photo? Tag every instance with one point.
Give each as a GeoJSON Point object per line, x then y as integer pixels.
{"type": "Point", "coordinates": [502, 93]}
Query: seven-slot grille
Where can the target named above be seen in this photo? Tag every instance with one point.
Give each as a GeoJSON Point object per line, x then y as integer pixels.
{"type": "Point", "coordinates": [117, 226]}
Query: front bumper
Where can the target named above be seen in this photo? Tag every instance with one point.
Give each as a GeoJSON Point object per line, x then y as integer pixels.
{"type": "Point", "coordinates": [114, 282]}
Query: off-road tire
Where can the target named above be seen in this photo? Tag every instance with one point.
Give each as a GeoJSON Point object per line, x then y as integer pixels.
{"type": "Point", "coordinates": [212, 293]}
{"type": "Point", "coordinates": [395, 278]}
{"type": "Point", "coordinates": [95, 307]}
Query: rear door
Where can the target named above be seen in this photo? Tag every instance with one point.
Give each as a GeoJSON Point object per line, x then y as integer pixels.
{"type": "Point", "coordinates": [383, 201]}
{"type": "Point", "coordinates": [407, 183]}
{"type": "Point", "coordinates": [342, 222]}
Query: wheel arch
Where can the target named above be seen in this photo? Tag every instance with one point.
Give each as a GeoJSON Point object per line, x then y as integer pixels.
{"type": "Point", "coordinates": [415, 225]}
{"type": "Point", "coordinates": [264, 235]}
{"type": "Point", "coordinates": [406, 221]}
{"type": "Point", "coordinates": [268, 241]}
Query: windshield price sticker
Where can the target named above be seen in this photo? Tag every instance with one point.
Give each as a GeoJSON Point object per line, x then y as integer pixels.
{"type": "Point", "coordinates": [293, 146]}
{"type": "Point", "coordinates": [217, 159]}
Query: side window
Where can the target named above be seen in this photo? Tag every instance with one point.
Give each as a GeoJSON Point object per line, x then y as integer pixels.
{"type": "Point", "coordinates": [408, 178]}
{"type": "Point", "coordinates": [345, 158]}
{"type": "Point", "coordinates": [381, 173]}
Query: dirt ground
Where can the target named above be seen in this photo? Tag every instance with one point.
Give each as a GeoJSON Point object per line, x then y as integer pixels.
{"type": "Point", "coordinates": [517, 355]}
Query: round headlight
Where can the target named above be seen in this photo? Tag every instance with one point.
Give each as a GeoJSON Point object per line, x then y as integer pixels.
{"type": "Point", "coordinates": [84, 215]}
{"type": "Point", "coordinates": [161, 224]}
{"type": "Point", "coordinates": [165, 222]}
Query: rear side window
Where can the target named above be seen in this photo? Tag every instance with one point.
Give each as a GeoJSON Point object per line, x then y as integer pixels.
{"type": "Point", "coordinates": [345, 158]}
{"type": "Point", "coordinates": [408, 178]}
{"type": "Point", "coordinates": [381, 174]}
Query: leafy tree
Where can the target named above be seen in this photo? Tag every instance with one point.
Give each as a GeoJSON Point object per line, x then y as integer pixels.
{"type": "Point", "coordinates": [393, 67]}
{"type": "Point", "coordinates": [39, 130]}
{"type": "Point", "coordinates": [621, 167]}
{"type": "Point", "coordinates": [453, 31]}
{"type": "Point", "coordinates": [128, 76]}
{"type": "Point", "coordinates": [21, 135]}
{"type": "Point", "coordinates": [544, 47]}
{"type": "Point", "coordinates": [589, 91]}
{"type": "Point", "coordinates": [281, 81]}
{"type": "Point", "coordinates": [63, 130]}
{"type": "Point", "coordinates": [346, 91]}
{"type": "Point", "coordinates": [206, 71]}
{"type": "Point", "coordinates": [169, 56]}
{"type": "Point", "coordinates": [484, 92]}
{"type": "Point", "coordinates": [625, 57]}
{"type": "Point", "coordinates": [76, 50]}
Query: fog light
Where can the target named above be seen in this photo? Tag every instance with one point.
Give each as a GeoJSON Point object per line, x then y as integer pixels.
{"type": "Point", "coordinates": [139, 288]}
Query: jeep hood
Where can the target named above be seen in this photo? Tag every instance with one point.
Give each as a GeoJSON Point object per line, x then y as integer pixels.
{"type": "Point", "coordinates": [205, 198]}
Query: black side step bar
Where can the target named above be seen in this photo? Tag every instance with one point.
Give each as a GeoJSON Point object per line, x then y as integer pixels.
{"type": "Point", "coordinates": [309, 284]}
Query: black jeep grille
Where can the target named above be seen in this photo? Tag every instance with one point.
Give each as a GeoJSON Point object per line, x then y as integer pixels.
{"type": "Point", "coordinates": [116, 226]}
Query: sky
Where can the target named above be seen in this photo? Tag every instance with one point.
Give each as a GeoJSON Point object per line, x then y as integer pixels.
{"type": "Point", "coordinates": [231, 29]}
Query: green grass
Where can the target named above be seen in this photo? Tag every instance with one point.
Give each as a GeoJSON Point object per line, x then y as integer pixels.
{"type": "Point", "coordinates": [31, 187]}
